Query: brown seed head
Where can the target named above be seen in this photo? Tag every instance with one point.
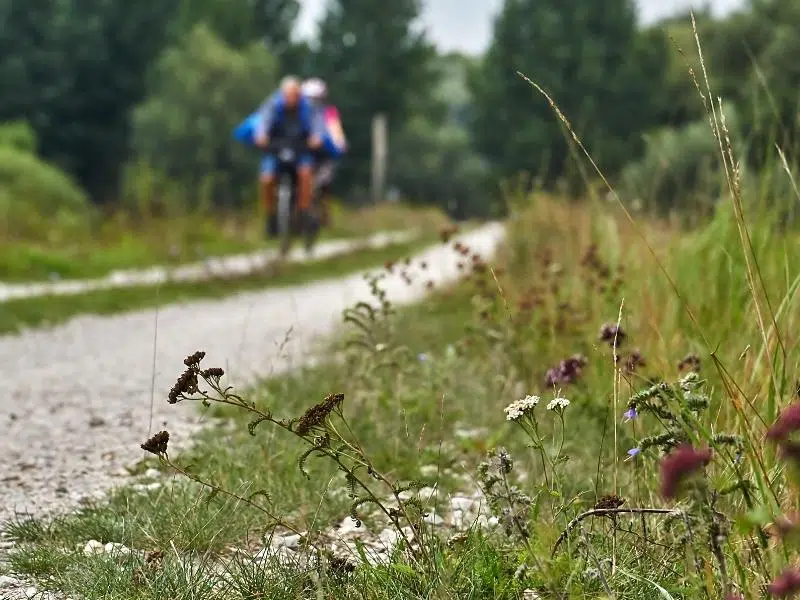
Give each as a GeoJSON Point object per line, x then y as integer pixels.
{"type": "Point", "coordinates": [157, 444]}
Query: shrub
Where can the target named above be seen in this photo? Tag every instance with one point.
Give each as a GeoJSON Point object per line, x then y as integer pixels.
{"type": "Point", "coordinates": [34, 195]}
{"type": "Point", "coordinates": [680, 169]}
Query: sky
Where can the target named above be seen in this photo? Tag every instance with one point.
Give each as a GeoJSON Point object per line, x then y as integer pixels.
{"type": "Point", "coordinates": [466, 25]}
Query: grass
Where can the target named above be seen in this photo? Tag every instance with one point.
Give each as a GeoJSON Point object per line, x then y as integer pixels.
{"type": "Point", "coordinates": [51, 310]}
{"type": "Point", "coordinates": [647, 448]}
{"type": "Point", "coordinates": [425, 388]}
{"type": "Point", "coordinates": [121, 243]}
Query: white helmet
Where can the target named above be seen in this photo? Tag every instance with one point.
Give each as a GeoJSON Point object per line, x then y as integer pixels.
{"type": "Point", "coordinates": [315, 88]}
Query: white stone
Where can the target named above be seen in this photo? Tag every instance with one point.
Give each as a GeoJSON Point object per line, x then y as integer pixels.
{"type": "Point", "coordinates": [93, 547]}
{"type": "Point", "coordinates": [116, 549]}
{"type": "Point", "coordinates": [347, 528]}
{"type": "Point", "coordinates": [7, 582]}
{"type": "Point", "coordinates": [429, 470]}
{"type": "Point", "coordinates": [464, 504]}
{"type": "Point", "coordinates": [433, 519]}
{"type": "Point", "coordinates": [147, 487]}
{"type": "Point", "coordinates": [152, 473]}
{"type": "Point", "coordinates": [286, 541]}
{"type": "Point", "coordinates": [31, 591]}
{"type": "Point", "coordinates": [471, 434]}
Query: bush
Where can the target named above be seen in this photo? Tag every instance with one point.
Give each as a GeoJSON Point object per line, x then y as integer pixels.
{"type": "Point", "coordinates": [437, 166]}
{"type": "Point", "coordinates": [680, 169]}
{"type": "Point", "coordinates": [35, 198]}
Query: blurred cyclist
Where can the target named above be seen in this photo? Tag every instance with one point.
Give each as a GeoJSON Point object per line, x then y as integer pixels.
{"type": "Point", "coordinates": [333, 145]}
{"type": "Point", "coordinates": [286, 114]}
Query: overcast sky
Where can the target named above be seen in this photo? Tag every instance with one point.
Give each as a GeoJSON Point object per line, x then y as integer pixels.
{"type": "Point", "coordinates": [465, 25]}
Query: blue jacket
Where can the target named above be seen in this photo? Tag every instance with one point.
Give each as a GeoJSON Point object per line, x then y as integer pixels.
{"type": "Point", "coordinates": [270, 114]}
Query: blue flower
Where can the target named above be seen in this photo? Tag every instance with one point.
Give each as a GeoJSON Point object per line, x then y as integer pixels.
{"type": "Point", "coordinates": [633, 453]}
{"type": "Point", "coordinates": [422, 357]}
{"type": "Point", "coordinates": [630, 414]}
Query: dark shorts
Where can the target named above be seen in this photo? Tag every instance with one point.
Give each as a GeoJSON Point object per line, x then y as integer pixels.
{"type": "Point", "coordinates": [269, 163]}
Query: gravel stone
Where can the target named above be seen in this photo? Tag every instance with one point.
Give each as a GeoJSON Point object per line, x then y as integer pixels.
{"type": "Point", "coordinates": [102, 367]}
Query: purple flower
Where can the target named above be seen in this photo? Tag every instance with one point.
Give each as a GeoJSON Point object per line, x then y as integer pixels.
{"type": "Point", "coordinates": [630, 414]}
{"type": "Point", "coordinates": [422, 357]}
{"type": "Point", "coordinates": [633, 453]}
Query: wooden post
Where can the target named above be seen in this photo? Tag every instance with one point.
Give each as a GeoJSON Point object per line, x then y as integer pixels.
{"type": "Point", "coordinates": [379, 155]}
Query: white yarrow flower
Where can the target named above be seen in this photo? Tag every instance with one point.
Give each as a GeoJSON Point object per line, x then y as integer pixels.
{"type": "Point", "coordinates": [558, 403]}
{"type": "Point", "coordinates": [516, 410]}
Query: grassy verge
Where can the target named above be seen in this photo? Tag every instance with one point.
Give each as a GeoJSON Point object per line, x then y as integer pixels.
{"type": "Point", "coordinates": [577, 308]}
{"type": "Point", "coordinates": [122, 243]}
{"type": "Point", "coordinates": [51, 310]}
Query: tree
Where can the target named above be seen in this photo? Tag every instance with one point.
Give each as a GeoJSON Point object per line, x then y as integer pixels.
{"type": "Point", "coordinates": [73, 70]}
{"type": "Point", "coordinates": [376, 61]}
{"type": "Point", "coordinates": [584, 53]}
{"type": "Point", "coordinates": [201, 90]}
{"type": "Point", "coordinates": [239, 23]}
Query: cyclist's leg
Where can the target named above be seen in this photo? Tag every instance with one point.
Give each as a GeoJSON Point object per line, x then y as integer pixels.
{"type": "Point", "coordinates": [267, 192]}
{"type": "Point", "coordinates": [305, 182]}
{"type": "Point", "coordinates": [325, 173]}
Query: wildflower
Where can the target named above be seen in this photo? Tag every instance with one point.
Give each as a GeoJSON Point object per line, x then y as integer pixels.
{"type": "Point", "coordinates": [786, 584]}
{"type": "Point", "coordinates": [558, 404]}
{"type": "Point", "coordinates": [787, 423]}
{"type": "Point", "coordinates": [422, 357]}
{"type": "Point", "coordinates": [630, 414]}
{"type": "Point", "coordinates": [612, 334]}
{"type": "Point", "coordinates": [784, 526]}
{"type": "Point", "coordinates": [566, 372]}
{"type": "Point", "coordinates": [634, 361]}
{"type": "Point", "coordinates": [689, 362]}
{"type": "Point", "coordinates": [633, 453]}
{"type": "Point", "coordinates": [157, 444]}
{"type": "Point", "coordinates": [516, 410]}
{"type": "Point", "coordinates": [679, 464]}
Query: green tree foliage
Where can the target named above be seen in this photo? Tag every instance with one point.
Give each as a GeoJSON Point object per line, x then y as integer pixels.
{"type": "Point", "coordinates": [201, 90]}
{"type": "Point", "coordinates": [376, 60]}
{"type": "Point", "coordinates": [436, 165]}
{"type": "Point", "coordinates": [239, 23]}
{"type": "Point", "coordinates": [34, 195]}
{"type": "Point", "coordinates": [74, 69]}
{"type": "Point", "coordinates": [753, 58]}
{"type": "Point", "coordinates": [586, 55]}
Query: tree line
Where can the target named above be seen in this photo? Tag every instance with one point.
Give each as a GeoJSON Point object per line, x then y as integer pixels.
{"type": "Point", "coordinates": [135, 101]}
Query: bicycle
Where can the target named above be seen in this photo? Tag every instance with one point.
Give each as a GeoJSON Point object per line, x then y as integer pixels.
{"type": "Point", "coordinates": [290, 225]}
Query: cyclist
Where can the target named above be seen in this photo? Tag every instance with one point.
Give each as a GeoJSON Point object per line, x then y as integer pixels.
{"type": "Point", "coordinates": [334, 143]}
{"type": "Point", "coordinates": [288, 114]}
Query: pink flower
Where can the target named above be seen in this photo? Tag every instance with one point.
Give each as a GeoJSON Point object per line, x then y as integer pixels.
{"type": "Point", "coordinates": [679, 464]}
{"type": "Point", "coordinates": [786, 584]}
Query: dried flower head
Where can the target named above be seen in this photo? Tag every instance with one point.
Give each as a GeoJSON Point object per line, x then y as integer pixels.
{"type": "Point", "coordinates": [786, 584]}
{"type": "Point", "coordinates": [316, 415]}
{"type": "Point", "coordinates": [516, 410]}
{"type": "Point", "coordinates": [679, 464]}
{"type": "Point", "coordinates": [157, 444]}
{"type": "Point", "coordinates": [194, 359]}
{"type": "Point", "coordinates": [212, 373]}
{"type": "Point", "coordinates": [186, 385]}
{"type": "Point", "coordinates": [610, 501]}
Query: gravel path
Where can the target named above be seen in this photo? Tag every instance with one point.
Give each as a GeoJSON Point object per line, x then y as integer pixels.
{"type": "Point", "coordinates": [235, 264]}
{"type": "Point", "coordinates": [77, 398]}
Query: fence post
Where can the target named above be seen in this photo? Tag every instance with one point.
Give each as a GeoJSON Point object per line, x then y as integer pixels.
{"type": "Point", "coordinates": [379, 156]}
